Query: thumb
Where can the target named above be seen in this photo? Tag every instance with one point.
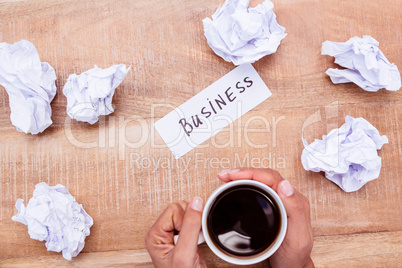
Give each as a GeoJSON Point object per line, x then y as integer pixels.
{"type": "Point", "coordinates": [187, 243]}
{"type": "Point", "coordinates": [299, 235]}
{"type": "Point", "coordinates": [293, 204]}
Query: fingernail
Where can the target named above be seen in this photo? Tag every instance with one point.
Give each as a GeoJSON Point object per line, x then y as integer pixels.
{"type": "Point", "coordinates": [286, 188]}
{"type": "Point", "coordinates": [196, 204]}
{"type": "Point", "coordinates": [226, 171]}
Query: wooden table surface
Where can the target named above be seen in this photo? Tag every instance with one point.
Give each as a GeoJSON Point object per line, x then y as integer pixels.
{"type": "Point", "coordinates": [124, 175]}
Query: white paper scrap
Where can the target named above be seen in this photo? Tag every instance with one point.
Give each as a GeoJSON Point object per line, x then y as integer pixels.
{"type": "Point", "coordinates": [53, 215]}
{"type": "Point", "coordinates": [208, 112]}
{"type": "Point", "coordinates": [30, 85]}
{"type": "Point", "coordinates": [243, 35]}
{"type": "Point", "coordinates": [347, 155]}
{"type": "Point", "coordinates": [366, 65]}
{"type": "Point", "coordinates": [90, 94]}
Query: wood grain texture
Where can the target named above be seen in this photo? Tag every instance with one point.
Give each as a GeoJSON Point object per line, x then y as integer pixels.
{"type": "Point", "coordinates": [383, 249]}
{"type": "Point", "coordinates": [120, 169]}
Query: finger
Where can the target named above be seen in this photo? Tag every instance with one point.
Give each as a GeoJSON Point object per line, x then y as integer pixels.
{"type": "Point", "coordinates": [162, 230]}
{"type": "Point", "coordinates": [223, 175]}
{"type": "Point", "coordinates": [191, 226]}
{"type": "Point", "coordinates": [298, 213]}
{"type": "Point", "coordinates": [265, 175]}
{"type": "Point", "coordinates": [296, 205]}
{"type": "Point", "coordinates": [171, 219]}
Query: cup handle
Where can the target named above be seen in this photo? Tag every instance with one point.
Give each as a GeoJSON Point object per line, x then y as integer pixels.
{"type": "Point", "coordinates": [201, 238]}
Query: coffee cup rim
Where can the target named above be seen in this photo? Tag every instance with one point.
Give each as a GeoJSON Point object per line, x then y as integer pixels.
{"type": "Point", "coordinates": [249, 260]}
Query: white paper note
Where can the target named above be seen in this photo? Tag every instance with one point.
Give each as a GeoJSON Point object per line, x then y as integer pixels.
{"type": "Point", "coordinates": [53, 215]}
{"type": "Point", "coordinates": [347, 155]}
{"type": "Point", "coordinates": [366, 65]}
{"type": "Point", "coordinates": [90, 94]}
{"type": "Point", "coordinates": [243, 35]}
{"type": "Point", "coordinates": [30, 85]}
{"type": "Point", "coordinates": [212, 109]}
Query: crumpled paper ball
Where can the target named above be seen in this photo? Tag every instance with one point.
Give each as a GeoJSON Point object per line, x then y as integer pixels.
{"type": "Point", "coordinates": [30, 85]}
{"type": "Point", "coordinates": [53, 215]}
{"type": "Point", "coordinates": [90, 94]}
{"type": "Point", "coordinates": [241, 35]}
{"type": "Point", "coordinates": [347, 155]}
{"type": "Point", "coordinates": [366, 65]}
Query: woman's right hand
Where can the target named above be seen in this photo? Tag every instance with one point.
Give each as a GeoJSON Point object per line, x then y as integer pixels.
{"type": "Point", "coordinates": [296, 247]}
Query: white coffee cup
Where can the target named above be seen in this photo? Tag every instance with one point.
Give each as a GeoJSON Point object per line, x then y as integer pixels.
{"type": "Point", "coordinates": [246, 260]}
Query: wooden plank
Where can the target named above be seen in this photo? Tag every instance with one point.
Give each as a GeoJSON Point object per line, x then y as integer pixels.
{"type": "Point", "coordinates": [382, 249]}
{"type": "Point", "coordinates": [122, 258]}
{"type": "Point", "coordinates": [359, 250]}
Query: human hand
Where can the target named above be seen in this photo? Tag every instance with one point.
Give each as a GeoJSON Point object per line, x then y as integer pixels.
{"type": "Point", "coordinates": [186, 219]}
{"type": "Point", "coordinates": [296, 247]}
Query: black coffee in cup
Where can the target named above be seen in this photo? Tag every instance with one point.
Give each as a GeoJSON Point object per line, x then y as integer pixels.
{"type": "Point", "coordinates": [243, 221]}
